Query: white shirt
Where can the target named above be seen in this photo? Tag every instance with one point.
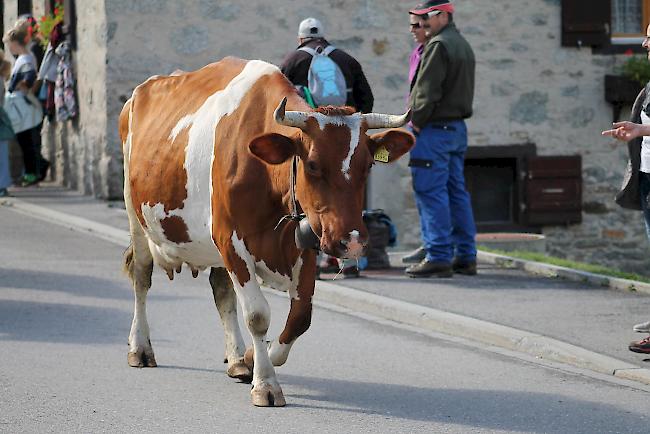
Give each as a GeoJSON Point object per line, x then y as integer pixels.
{"type": "Point", "coordinates": [645, 146]}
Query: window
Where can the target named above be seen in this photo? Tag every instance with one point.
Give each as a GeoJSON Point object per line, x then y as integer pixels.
{"type": "Point", "coordinates": [608, 26]}
{"type": "Point", "coordinates": [630, 19]}
{"type": "Point", "coordinates": [24, 7]}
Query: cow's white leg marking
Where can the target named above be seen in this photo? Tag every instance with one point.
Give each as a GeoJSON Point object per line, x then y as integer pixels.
{"type": "Point", "coordinates": [226, 302]}
{"type": "Point", "coordinates": [279, 352]}
{"type": "Point", "coordinates": [139, 266]}
{"type": "Point", "coordinates": [257, 317]}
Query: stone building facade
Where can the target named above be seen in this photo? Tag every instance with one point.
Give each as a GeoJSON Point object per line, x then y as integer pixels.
{"type": "Point", "coordinates": [530, 89]}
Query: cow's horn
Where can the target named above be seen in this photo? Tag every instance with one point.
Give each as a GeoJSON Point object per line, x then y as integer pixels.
{"type": "Point", "coordinates": [379, 120]}
{"type": "Point", "coordinates": [289, 118]}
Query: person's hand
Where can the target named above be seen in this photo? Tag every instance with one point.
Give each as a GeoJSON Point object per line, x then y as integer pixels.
{"type": "Point", "coordinates": [625, 131]}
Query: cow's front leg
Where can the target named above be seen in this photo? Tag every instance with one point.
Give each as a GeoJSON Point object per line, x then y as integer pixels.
{"type": "Point", "coordinates": [299, 317]}
{"type": "Point", "coordinates": [226, 302]}
{"type": "Point", "coordinates": [266, 390]}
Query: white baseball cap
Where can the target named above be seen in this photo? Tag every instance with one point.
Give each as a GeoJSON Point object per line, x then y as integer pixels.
{"type": "Point", "coordinates": [310, 28]}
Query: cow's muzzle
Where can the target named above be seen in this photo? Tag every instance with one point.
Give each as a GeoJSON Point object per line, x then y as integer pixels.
{"type": "Point", "coordinates": [305, 236]}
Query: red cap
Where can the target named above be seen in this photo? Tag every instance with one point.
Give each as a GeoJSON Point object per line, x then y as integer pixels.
{"type": "Point", "coordinates": [433, 5]}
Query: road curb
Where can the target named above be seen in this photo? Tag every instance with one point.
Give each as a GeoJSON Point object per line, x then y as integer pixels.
{"type": "Point", "coordinates": [422, 317]}
{"type": "Point", "coordinates": [549, 270]}
{"type": "Point", "coordinates": [478, 330]}
{"type": "Point", "coordinates": [79, 224]}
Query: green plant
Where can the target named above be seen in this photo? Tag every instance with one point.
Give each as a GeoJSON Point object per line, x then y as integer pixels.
{"type": "Point", "coordinates": [636, 68]}
{"type": "Point", "coordinates": [47, 23]}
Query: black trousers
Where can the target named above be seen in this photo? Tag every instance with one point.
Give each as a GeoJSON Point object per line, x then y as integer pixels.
{"type": "Point", "coordinates": [30, 143]}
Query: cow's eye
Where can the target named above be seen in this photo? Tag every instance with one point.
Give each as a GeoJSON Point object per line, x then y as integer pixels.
{"type": "Point", "coordinates": [313, 168]}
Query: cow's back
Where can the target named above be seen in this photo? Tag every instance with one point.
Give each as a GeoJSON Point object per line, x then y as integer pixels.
{"type": "Point", "coordinates": [168, 130]}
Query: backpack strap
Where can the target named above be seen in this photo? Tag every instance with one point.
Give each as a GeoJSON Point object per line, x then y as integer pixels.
{"type": "Point", "coordinates": [327, 50]}
{"type": "Point", "coordinates": [308, 50]}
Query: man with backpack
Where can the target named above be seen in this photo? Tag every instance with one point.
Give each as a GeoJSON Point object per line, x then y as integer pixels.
{"type": "Point", "coordinates": [324, 74]}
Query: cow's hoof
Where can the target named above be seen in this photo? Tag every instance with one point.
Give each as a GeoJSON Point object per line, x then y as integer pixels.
{"type": "Point", "coordinates": [141, 359]}
{"type": "Point", "coordinates": [248, 358]}
{"type": "Point", "coordinates": [240, 371]}
{"type": "Point", "coordinates": [265, 395]}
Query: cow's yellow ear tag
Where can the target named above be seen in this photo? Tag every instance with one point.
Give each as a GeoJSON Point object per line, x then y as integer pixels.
{"type": "Point", "coordinates": [382, 155]}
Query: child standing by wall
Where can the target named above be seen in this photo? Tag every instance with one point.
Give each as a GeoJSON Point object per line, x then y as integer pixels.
{"type": "Point", "coordinates": [23, 76]}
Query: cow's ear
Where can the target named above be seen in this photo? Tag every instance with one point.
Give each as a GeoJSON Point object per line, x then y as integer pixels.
{"type": "Point", "coordinates": [273, 148]}
{"type": "Point", "coordinates": [390, 145]}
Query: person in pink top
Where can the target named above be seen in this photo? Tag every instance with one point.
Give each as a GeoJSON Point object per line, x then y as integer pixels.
{"type": "Point", "coordinates": [421, 33]}
{"type": "Point", "coordinates": [418, 24]}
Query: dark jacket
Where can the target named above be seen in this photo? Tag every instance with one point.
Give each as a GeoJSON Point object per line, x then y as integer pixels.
{"type": "Point", "coordinates": [296, 67]}
{"type": "Point", "coordinates": [443, 87]}
{"type": "Point", "coordinates": [630, 195]}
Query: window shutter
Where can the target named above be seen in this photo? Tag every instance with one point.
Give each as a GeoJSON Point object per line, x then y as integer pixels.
{"type": "Point", "coordinates": [554, 190]}
{"type": "Point", "coordinates": [586, 22]}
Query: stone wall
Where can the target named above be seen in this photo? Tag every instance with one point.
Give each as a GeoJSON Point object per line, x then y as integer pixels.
{"type": "Point", "coordinates": [529, 89]}
{"type": "Point", "coordinates": [78, 148]}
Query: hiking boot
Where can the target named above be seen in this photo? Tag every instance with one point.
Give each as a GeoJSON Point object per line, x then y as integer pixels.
{"type": "Point", "coordinates": [351, 271]}
{"type": "Point", "coordinates": [643, 346]}
{"type": "Point", "coordinates": [644, 327]}
{"type": "Point", "coordinates": [415, 257]}
{"type": "Point", "coordinates": [430, 269]}
{"type": "Point", "coordinates": [328, 264]}
{"type": "Point", "coordinates": [467, 268]}
{"type": "Point", "coordinates": [29, 179]}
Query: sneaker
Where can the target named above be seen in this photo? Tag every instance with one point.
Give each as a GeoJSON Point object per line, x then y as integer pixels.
{"type": "Point", "coordinates": [415, 257]}
{"type": "Point", "coordinates": [430, 269]}
{"type": "Point", "coordinates": [643, 346]}
{"type": "Point", "coordinates": [467, 268]}
{"type": "Point", "coordinates": [644, 327]}
{"type": "Point", "coordinates": [29, 179]}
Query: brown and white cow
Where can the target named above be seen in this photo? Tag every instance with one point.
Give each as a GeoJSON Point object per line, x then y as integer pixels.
{"type": "Point", "coordinates": [207, 161]}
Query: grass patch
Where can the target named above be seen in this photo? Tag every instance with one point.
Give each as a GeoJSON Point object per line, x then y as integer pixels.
{"type": "Point", "coordinates": [590, 268]}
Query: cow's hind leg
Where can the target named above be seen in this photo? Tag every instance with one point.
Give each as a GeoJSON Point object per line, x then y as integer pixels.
{"type": "Point", "coordinates": [138, 264]}
{"type": "Point", "coordinates": [226, 302]}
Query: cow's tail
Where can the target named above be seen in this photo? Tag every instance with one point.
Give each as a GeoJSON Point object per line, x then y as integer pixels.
{"type": "Point", "coordinates": [129, 262]}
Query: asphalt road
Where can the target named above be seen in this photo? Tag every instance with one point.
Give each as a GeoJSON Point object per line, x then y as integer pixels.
{"type": "Point", "coordinates": [65, 313]}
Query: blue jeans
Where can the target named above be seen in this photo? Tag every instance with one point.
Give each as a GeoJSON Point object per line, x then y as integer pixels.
{"type": "Point", "coordinates": [644, 187]}
{"type": "Point", "coordinates": [5, 175]}
{"type": "Point", "coordinates": [446, 218]}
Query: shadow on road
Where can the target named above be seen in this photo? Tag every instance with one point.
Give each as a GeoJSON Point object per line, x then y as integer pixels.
{"type": "Point", "coordinates": [534, 412]}
{"type": "Point", "coordinates": [81, 285]}
{"type": "Point", "coordinates": [62, 323]}
{"type": "Point", "coordinates": [487, 409]}
{"type": "Point", "coordinates": [75, 284]}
